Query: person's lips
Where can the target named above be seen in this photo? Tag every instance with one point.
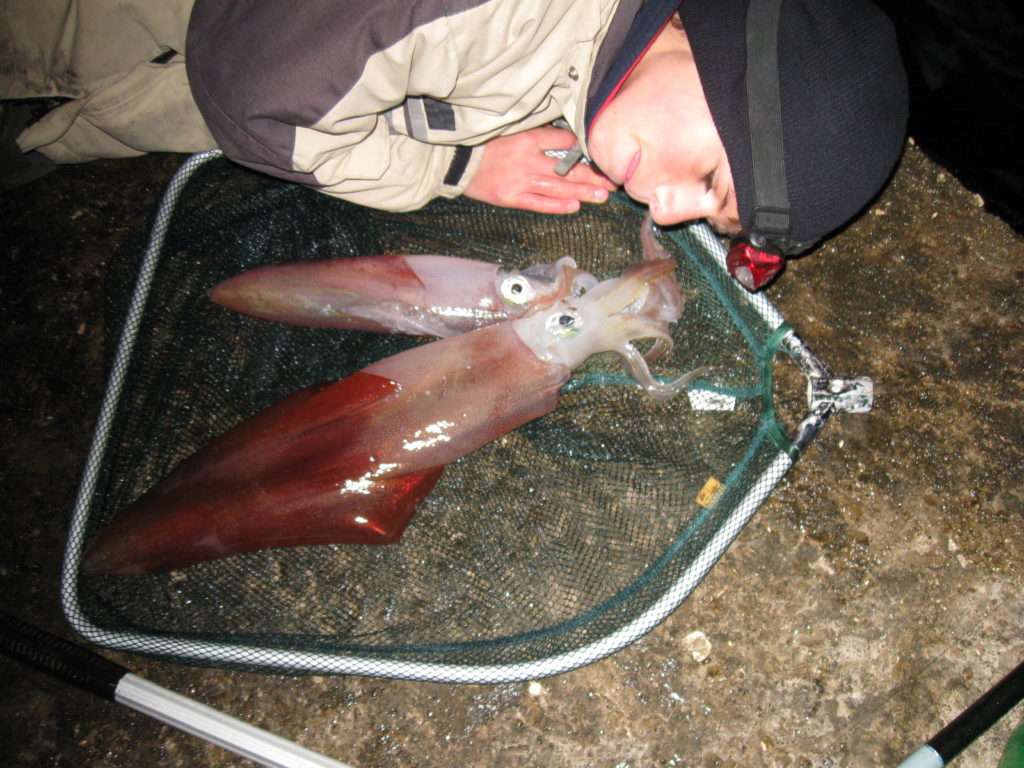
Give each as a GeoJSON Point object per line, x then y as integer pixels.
{"type": "Point", "coordinates": [634, 161]}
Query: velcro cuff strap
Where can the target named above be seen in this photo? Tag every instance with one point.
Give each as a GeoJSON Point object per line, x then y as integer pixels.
{"type": "Point", "coordinates": [458, 166]}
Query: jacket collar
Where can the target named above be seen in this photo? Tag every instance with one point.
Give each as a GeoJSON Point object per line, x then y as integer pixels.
{"type": "Point", "coordinates": [633, 29]}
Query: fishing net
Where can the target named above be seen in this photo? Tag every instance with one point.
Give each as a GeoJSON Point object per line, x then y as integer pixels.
{"type": "Point", "coordinates": [551, 547]}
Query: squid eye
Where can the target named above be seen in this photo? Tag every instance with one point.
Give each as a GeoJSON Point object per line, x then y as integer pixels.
{"type": "Point", "coordinates": [564, 324]}
{"type": "Point", "coordinates": [517, 290]}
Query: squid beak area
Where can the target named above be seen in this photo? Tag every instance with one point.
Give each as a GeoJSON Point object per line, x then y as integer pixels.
{"type": "Point", "coordinates": [573, 280]}
{"type": "Point", "coordinates": [629, 290]}
{"type": "Point", "coordinates": [565, 280]}
{"type": "Point", "coordinates": [627, 315]}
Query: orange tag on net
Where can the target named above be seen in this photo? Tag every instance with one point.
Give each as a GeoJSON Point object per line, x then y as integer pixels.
{"type": "Point", "coordinates": [709, 494]}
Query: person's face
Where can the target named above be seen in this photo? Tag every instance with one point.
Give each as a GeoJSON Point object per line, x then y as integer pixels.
{"type": "Point", "coordinates": [656, 138]}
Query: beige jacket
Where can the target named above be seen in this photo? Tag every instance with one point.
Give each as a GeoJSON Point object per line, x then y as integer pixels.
{"type": "Point", "coordinates": [381, 102]}
{"type": "Point", "coordinates": [371, 100]}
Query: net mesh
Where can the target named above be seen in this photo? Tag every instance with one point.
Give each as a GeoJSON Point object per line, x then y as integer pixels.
{"type": "Point", "coordinates": [561, 540]}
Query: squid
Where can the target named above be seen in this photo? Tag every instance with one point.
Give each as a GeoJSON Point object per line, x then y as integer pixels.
{"type": "Point", "coordinates": [348, 462]}
{"type": "Point", "coordinates": [417, 295]}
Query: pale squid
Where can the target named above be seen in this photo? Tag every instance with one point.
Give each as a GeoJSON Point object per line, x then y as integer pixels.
{"type": "Point", "coordinates": [418, 295]}
{"type": "Point", "coordinates": [348, 462]}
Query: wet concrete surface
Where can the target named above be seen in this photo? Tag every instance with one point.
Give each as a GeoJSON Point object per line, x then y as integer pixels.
{"type": "Point", "coordinates": [876, 593]}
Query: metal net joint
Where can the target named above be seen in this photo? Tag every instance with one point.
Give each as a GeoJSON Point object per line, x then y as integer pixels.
{"type": "Point", "coordinates": [854, 395]}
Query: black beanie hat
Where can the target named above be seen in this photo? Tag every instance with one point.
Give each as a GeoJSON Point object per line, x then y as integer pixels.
{"type": "Point", "coordinates": [844, 102]}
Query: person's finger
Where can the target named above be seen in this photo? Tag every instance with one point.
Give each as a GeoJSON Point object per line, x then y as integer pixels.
{"type": "Point", "coordinates": [556, 186]}
{"type": "Point", "coordinates": [548, 137]}
{"type": "Point", "coordinates": [583, 173]}
{"type": "Point", "coordinates": [529, 201]}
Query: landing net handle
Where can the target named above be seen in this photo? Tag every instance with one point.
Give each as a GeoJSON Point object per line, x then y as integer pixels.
{"type": "Point", "coordinates": [81, 667]}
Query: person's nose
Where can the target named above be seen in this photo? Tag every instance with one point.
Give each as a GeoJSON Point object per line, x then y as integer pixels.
{"type": "Point", "coordinates": [676, 203]}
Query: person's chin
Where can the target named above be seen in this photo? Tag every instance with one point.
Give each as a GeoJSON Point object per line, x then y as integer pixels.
{"type": "Point", "coordinates": [640, 195]}
{"type": "Point", "coordinates": [604, 162]}
{"type": "Point", "coordinates": [609, 174]}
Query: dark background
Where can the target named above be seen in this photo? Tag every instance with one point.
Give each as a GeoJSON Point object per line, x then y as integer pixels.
{"type": "Point", "coordinates": [964, 61]}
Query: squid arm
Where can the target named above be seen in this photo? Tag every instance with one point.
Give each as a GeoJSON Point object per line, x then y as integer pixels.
{"type": "Point", "coordinates": [422, 295]}
{"type": "Point", "coordinates": [665, 299]}
{"type": "Point", "coordinates": [347, 463]}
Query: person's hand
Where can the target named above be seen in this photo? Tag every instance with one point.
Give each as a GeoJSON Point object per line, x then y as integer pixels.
{"type": "Point", "coordinates": [515, 173]}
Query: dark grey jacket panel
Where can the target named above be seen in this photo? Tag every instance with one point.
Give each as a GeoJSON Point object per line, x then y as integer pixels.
{"type": "Point", "coordinates": [260, 68]}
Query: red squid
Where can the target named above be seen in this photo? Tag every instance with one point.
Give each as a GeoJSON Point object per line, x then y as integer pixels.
{"type": "Point", "coordinates": [347, 462]}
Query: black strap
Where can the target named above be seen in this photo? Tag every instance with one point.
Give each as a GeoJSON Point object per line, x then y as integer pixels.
{"type": "Point", "coordinates": [459, 163]}
{"type": "Point", "coordinates": [764, 105]}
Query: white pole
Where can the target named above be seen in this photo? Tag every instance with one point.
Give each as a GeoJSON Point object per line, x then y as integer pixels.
{"type": "Point", "coordinates": [925, 757]}
{"type": "Point", "coordinates": [207, 723]}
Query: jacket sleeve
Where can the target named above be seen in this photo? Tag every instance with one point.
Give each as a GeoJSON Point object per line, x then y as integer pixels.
{"type": "Point", "coordinates": [361, 159]}
{"type": "Point", "coordinates": [312, 92]}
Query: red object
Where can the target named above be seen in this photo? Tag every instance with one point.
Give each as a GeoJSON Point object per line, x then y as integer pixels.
{"type": "Point", "coordinates": [348, 462]}
{"type": "Point", "coordinates": [753, 267]}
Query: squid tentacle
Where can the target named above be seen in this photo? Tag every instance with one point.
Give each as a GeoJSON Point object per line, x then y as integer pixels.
{"type": "Point", "coordinates": [632, 328]}
{"type": "Point", "coordinates": [666, 294]}
{"type": "Point", "coordinates": [660, 348]}
{"type": "Point", "coordinates": [637, 367]}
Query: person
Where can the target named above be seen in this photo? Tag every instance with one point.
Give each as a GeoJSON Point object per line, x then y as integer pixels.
{"type": "Point", "coordinates": [391, 104]}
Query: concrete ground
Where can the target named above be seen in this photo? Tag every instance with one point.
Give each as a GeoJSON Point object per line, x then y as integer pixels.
{"type": "Point", "coordinates": [877, 592]}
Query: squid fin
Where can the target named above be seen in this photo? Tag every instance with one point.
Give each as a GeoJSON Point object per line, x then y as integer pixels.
{"type": "Point", "coordinates": [168, 534]}
{"type": "Point", "coordinates": [259, 441]}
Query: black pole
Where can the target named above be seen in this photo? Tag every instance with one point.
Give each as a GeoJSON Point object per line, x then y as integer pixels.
{"type": "Point", "coordinates": [58, 657]}
{"type": "Point", "coordinates": [980, 716]}
{"type": "Point", "coordinates": [79, 666]}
